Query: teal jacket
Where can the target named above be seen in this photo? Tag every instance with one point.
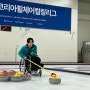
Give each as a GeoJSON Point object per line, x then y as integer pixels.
{"type": "Point", "coordinates": [26, 52]}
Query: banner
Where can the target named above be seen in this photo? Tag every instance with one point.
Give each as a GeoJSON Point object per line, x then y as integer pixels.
{"type": "Point", "coordinates": [34, 15]}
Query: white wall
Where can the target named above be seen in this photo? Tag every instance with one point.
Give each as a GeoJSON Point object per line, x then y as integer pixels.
{"type": "Point", "coordinates": [83, 24]}
{"type": "Point", "coordinates": [53, 46]}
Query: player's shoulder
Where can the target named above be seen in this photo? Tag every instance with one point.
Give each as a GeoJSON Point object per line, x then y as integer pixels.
{"type": "Point", "coordinates": [24, 46]}
{"type": "Point", "coordinates": [34, 45]}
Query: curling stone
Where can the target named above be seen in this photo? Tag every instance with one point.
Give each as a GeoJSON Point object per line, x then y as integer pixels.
{"type": "Point", "coordinates": [12, 72]}
{"type": "Point", "coordinates": [4, 76]}
{"type": "Point", "coordinates": [26, 76]}
{"type": "Point", "coordinates": [54, 79]}
{"type": "Point", "coordinates": [17, 77]}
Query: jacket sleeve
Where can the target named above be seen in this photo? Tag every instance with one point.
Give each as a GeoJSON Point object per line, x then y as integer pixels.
{"type": "Point", "coordinates": [20, 53]}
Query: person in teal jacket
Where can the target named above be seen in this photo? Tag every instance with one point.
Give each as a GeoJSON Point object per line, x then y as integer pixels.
{"type": "Point", "coordinates": [29, 51]}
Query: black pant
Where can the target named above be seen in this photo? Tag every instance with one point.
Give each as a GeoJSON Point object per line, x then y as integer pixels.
{"type": "Point", "coordinates": [36, 60]}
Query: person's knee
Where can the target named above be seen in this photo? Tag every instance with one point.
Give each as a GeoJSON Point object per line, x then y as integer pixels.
{"type": "Point", "coordinates": [38, 59]}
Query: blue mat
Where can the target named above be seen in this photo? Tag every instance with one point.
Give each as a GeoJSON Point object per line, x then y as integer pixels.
{"type": "Point", "coordinates": [73, 69]}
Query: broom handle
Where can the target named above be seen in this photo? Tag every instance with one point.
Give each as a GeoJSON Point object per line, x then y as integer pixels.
{"type": "Point", "coordinates": [39, 66]}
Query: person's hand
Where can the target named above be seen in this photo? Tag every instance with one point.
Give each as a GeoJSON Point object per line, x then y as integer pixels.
{"type": "Point", "coordinates": [31, 53]}
{"type": "Point", "coordinates": [25, 58]}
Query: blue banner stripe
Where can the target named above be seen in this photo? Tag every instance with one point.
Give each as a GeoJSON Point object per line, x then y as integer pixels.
{"type": "Point", "coordinates": [34, 15]}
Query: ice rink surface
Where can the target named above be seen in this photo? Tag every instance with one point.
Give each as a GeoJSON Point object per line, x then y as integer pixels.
{"type": "Point", "coordinates": [69, 81]}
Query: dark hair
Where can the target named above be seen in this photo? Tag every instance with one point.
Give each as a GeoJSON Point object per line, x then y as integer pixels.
{"type": "Point", "coordinates": [28, 40]}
